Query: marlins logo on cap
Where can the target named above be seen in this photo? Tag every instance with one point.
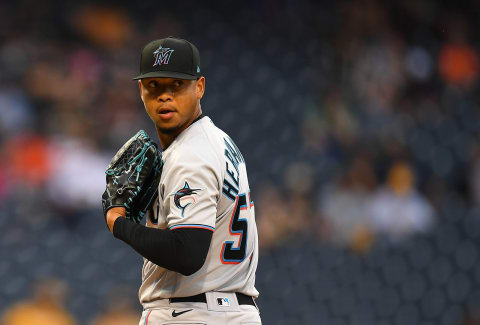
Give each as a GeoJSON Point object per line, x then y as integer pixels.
{"type": "Point", "coordinates": [162, 55]}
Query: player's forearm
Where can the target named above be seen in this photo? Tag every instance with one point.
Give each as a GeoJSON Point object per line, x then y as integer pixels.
{"type": "Point", "coordinates": [180, 250]}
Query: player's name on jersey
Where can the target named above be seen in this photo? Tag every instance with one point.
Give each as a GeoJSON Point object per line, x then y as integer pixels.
{"type": "Point", "coordinates": [231, 186]}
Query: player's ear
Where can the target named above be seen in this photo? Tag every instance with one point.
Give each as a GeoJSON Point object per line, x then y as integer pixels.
{"type": "Point", "coordinates": [200, 87]}
{"type": "Point", "coordinates": [140, 88]}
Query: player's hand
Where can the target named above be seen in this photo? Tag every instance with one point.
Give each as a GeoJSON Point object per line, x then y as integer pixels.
{"type": "Point", "coordinates": [113, 214]}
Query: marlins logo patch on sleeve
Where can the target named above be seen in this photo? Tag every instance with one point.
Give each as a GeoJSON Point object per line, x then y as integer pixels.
{"type": "Point", "coordinates": [184, 197]}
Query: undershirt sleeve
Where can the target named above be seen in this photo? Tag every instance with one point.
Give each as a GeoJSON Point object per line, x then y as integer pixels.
{"type": "Point", "coordinates": [182, 250]}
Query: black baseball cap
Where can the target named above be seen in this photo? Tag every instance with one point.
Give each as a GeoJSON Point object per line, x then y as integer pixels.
{"type": "Point", "coordinates": [170, 58]}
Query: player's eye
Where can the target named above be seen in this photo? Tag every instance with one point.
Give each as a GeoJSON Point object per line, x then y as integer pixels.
{"type": "Point", "coordinates": [153, 84]}
{"type": "Point", "coordinates": [178, 83]}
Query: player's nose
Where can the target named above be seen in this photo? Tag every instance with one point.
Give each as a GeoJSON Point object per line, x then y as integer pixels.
{"type": "Point", "coordinates": [165, 96]}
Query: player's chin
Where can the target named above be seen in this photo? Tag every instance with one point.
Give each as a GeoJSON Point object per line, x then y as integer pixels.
{"type": "Point", "coordinates": [167, 128]}
{"type": "Point", "coordinates": [166, 124]}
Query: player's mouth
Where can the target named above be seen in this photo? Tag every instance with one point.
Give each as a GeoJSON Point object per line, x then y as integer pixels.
{"type": "Point", "coordinates": [165, 113]}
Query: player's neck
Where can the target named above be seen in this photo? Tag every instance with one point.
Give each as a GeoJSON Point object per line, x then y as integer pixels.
{"type": "Point", "coordinates": [167, 138]}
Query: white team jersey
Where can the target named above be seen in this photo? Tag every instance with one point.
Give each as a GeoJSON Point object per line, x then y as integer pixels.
{"type": "Point", "coordinates": [204, 185]}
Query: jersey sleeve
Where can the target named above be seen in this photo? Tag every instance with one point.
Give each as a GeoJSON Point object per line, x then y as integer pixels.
{"type": "Point", "coordinates": [192, 190]}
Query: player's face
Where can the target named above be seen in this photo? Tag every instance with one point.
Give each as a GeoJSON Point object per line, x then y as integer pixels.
{"type": "Point", "coordinates": [172, 104]}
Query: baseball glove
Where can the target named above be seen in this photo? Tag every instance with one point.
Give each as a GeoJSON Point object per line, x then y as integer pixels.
{"type": "Point", "coordinates": [133, 176]}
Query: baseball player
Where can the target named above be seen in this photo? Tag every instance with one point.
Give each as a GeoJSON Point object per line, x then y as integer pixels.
{"type": "Point", "coordinates": [200, 243]}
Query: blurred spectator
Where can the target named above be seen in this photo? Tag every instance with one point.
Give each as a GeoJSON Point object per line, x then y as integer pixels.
{"type": "Point", "coordinates": [44, 308]}
{"type": "Point", "coordinates": [378, 74]}
{"type": "Point", "coordinates": [285, 211]}
{"type": "Point", "coordinates": [373, 56]}
{"type": "Point", "coordinates": [419, 63]}
{"type": "Point", "coordinates": [27, 160]}
{"type": "Point", "coordinates": [458, 64]}
{"type": "Point", "coordinates": [344, 206]}
{"type": "Point", "coordinates": [106, 26]}
{"type": "Point", "coordinates": [299, 180]}
{"type": "Point", "coordinates": [16, 114]}
{"type": "Point", "coordinates": [398, 209]}
{"type": "Point", "coordinates": [119, 309]}
{"type": "Point", "coordinates": [78, 179]}
{"type": "Point", "coordinates": [272, 216]}
{"type": "Point", "coordinates": [458, 61]}
{"type": "Point", "coordinates": [342, 122]}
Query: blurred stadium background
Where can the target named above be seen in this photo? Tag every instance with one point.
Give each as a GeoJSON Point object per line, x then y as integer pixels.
{"type": "Point", "coordinates": [359, 122]}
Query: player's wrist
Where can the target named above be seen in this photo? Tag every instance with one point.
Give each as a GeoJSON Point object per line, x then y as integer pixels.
{"type": "Point", "coordinates": [113, 214]}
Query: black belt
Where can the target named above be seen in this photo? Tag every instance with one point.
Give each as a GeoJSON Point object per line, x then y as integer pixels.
{"type": "Point", "coordinates": [242, 299]}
